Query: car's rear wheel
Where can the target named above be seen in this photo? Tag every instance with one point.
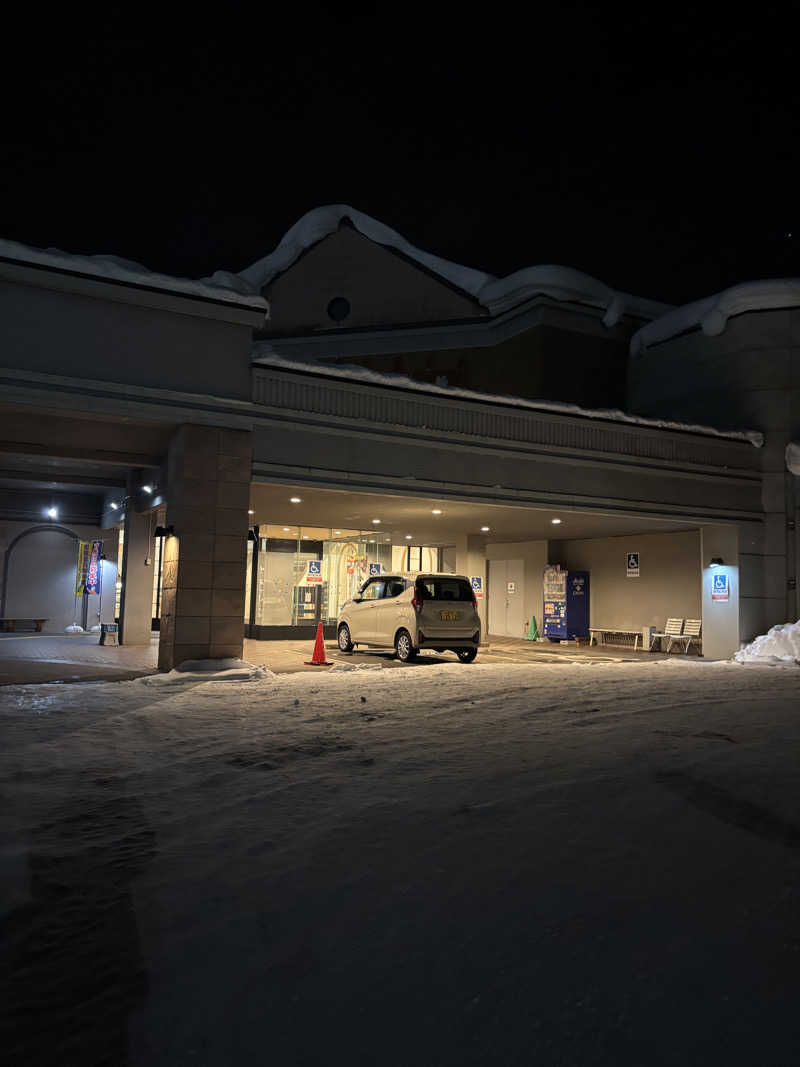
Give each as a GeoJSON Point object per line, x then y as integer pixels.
{"type": "Point", "coordinates": [404, 646]}
{"type": "Point", "coordinates": [343, 636]}
{"type": "Point", "coordinates": [467, 655]}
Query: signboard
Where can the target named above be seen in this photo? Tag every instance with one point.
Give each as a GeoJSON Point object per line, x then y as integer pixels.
{"type": "Point", "coordinates": [94, 577]}
{"type": "Point", "coordinates": [554, 588]}
{"type": "Point", "coordinates": [80, 569]}
{"type": "Point", "coordinates": [632, 565]}
{"type": "Point", "coordinates": [314, 571]}
{"type": "Point", "coordinates": [720, 587]}
{"type": "Point", "coordinates": [477, 587]}
{"type": "Point", "coordinates": [374, 568]}
{"type": "Point", "coordinates": [511, 587]}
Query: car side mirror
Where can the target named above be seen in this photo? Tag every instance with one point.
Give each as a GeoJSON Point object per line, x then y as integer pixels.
{"type": "Point", "coordinates": [357, 599]}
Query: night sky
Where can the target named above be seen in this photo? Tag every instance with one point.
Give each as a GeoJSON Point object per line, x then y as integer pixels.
{"type": "Point", "coordinates": [657, 150]}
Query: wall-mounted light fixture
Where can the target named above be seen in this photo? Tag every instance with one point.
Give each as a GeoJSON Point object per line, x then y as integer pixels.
{"type": "Point", "coordinates": [717, 561]}
{"type": "Point", "coordinates": [164, 531]}
{"type": "Point", "coordinates": [147, 488]}
{"type": "Point", "coordinates": [251, 535]}
{"type": "Point", "coordinates": [51, 513]}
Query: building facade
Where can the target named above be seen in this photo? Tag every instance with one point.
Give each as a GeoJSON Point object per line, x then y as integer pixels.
{"type": "Point", "coordinates": [259, 443]}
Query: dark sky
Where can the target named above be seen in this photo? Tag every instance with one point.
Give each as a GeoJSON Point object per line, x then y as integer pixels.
{"type": "Point", "coordinates": [655, 149]}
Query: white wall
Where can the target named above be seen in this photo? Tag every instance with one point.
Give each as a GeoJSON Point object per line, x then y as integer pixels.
{"type": "Point", "coordinates": [668, 585]}
{"type": "Point", "coordinates": [720, 617]}
{"type": "Point", "coordinates": [41, 574]}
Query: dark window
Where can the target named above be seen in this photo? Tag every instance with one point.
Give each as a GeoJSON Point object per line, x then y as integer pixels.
{"type": "Point", "coordinates": [394, 587]}
{"type": "Point", "coordinates": [338, 309]}
{"type": "Point", "coordinates": [445, 589]}
{"type": "Point", "coordinates": [373, 590]}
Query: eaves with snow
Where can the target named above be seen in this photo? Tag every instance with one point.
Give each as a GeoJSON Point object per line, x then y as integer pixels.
{"type": "Point", "coordinates": [496, 295]}
{"type": "Point", "coordinates": [711, 314]}
{"type": "Point", "coordinates": [125, 271]}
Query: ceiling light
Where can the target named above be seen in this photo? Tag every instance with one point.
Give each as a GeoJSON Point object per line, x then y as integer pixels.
{"type": "Point", "coordinates": [387, 538]}
{"type": "Point", "coordinates": [52, 513]}
{"type": "Point", "coordinates": [409, 537]}
{"type": "Point", "coordinates": [114, 506]}
{"type": "Point", "coordinates": [147, 489]}
{"type": "Point", "coordinates": [286, 529]}
{"type": "Point", "coordinates": [436, 511]}
{"type": "Point", "coordinates": [717, 561]}
{"type": "Point", "coordinates": [375, 522]}
{"type": "Point", "coordinates": [295, 500]}
{"type": "Point", "coordinates": [484, 529]}
{"type": "Point", "coordinates": [555, 522]}
{"type": "Point", "coordinates": [337, 531]}
{"type": "Point", "coordinates": [250, 511]}
{"type": "Point", "coordinates": [305, 537]}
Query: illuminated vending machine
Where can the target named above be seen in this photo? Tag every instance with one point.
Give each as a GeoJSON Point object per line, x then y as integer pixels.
{"type": "Point", "coordinates": [566, 604]}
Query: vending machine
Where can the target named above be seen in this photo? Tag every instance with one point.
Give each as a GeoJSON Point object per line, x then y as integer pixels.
{"type": "Point", "coordinates": [566, 604]}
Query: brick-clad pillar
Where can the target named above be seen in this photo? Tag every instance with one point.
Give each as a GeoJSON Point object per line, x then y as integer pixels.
{"type": "Point", "coordinates": [202, 604]}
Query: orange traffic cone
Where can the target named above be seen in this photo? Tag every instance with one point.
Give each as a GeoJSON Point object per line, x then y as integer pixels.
{"type": "Point", "coordinates": [318, 659]}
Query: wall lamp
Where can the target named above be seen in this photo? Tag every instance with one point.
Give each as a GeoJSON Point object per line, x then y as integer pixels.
{"type": "Point", "coordinates": [717, 561]}
{"type": "Point", "coordinates": [251, 535]}
{"type": "Point", "coordinates": [164, 531]}
{"type": "Point", "coordinates": [147, 489]}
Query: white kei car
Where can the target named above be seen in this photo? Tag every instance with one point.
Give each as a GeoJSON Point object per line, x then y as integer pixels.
{"type": "Point", "coordinates": [409, 612]}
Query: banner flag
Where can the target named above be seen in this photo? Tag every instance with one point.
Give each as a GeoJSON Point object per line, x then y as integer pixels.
{"type": "Point", "coordinates": [93, 570]}
{"type": "Point", "coordinates": [80, 570]}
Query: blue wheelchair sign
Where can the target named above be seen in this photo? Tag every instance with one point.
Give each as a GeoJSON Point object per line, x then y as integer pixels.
{"type": "Point", "coordinates": [315, 566]}
{"type": "Point", "coordinates": [374, 568]}
{"type": "Point", "coordinates": [477, 584]}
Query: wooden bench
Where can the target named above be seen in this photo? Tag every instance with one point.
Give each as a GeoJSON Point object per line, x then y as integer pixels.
{"type": "Point", "coordinates": [9, 626]}
{"type": "Point", "coordinates": [618, 637]}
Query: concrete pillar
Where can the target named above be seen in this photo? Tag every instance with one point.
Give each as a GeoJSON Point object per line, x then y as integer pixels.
{"type": "Point", "coordinates": [471, 561]}
{"type": "Point", "coordinates": [720, 616]}
{"type": "Point", "coordinates": [136, 602]}
{"type": "Point", "coordinates": [203, 583]}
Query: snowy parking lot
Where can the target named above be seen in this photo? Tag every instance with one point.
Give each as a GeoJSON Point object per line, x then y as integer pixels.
{"type": "Point", "coordinates": [557, 863]}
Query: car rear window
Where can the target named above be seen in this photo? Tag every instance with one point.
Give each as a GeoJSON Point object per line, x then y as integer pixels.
{"type": "Point", "coordinates": [445, 589]}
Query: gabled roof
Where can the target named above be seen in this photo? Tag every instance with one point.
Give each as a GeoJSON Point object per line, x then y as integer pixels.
{"type": "Point", "coordinates": [495, 294]}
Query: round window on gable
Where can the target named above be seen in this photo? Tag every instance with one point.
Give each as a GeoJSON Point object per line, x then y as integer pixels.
{"type": "Point", "coordinates": [338, 309]}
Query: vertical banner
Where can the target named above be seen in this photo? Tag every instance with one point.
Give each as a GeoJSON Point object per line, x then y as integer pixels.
{"type": "Point", "coordinates": [93, 572]}
{"type": "Point", "coordinates": [80, 569]}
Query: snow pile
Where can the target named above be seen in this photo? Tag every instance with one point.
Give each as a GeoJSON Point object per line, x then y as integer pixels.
{"type": "Point", "coordinates": [210, 670]}
{"type": "Point", "coordinates": [225, 287]}
{"type": "Point", "coordinates": [495, 294]}
{"type": "Point", "coordinates": [780, 645]}
{"type": "Point", "coordinates": [712, 313]}
{"type": "Point", "coordinates": [264, 354]}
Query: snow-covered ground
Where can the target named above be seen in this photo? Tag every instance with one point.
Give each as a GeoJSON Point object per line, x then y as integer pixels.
{"type": "Point", "coordinates": [578, 863]}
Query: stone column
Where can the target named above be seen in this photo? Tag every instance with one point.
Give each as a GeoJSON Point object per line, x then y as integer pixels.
{"type": "Point", "coordinates": [136, 601]}
{"type": "Point", "coordinates": [720, 616]}
{"type": "Point", "coordinates": [203, 583]}
{"type": "Point", "coordinates": [471, 561]}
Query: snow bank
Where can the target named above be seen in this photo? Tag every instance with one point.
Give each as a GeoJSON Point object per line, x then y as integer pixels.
{"type": "Point", "coordinates": [712, 313]}
{"type": "Point", "coordinates": [495, 294]}
{"type": "Point", "coordinates": [223, 287]}
{"type": "Point", "coordinates": [210, 670]}
{"type": "Point", "coordinates": [780, 645]}
{"type": "Point", "coordinates": [263, 353]}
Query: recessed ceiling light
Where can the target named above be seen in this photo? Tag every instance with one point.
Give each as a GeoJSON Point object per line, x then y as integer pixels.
{"type": "Point", "coordinates": [555, 522]}
{"type": "Point", "coordinates": [305, 537]}
{"type": "Point", "coordinates": [250, 511]}
{"type": "Point", "coordinates": [114, 506]}
{"type": "Point", "coordinates": [147, 489]}
{"type": "Point", "coordinates": [295, 500]}
{"type": "Point", "coordinates": [52, 513]}
{"type": "Point", "coordinates": [375, 522]}
{"type": "Point", "coordinates": [436, 511]}
{"type": "Point", "coordinates": [484, 529]}
{"type": "Point", "coordinates": [337, 531]}
{"type": "Point", "coordinates": [409, 537]}
{"type": "Point", "coordinates": [286, 529]}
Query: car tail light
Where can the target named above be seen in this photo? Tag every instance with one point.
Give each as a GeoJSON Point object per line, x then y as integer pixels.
{"type": "Point", "coordinates": [474, 600]}
{"type": "Point", "coordinates": [416, 600]}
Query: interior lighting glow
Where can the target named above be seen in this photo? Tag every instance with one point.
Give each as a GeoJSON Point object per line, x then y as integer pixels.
{"type": "Point", "coordinates": [555, 522]}
{"type": "Point", "coordinates": [484, 529]}
{"type": "Point", "coordinates": [52, 513]}
{"type": "Point", "coordinates": [337, 531]}
{"type": "Point", "coordinates": [409, 537]}
{"type": "Point", "coordinates": [147, 489]}
{"type": "Point", "coordinates": [250, 511]}
{"type": "Point", "coordinates": [295, 500]}
{"type": "Point", "coordinates": [286, 529]}
{"type": "Point", "coordinates": [114, 506]}
{"type": "Point", "coordinates": [436, 511]}
{"type": "Point", "coordinates": [376, 522]}
{"type": "Point", "coordinates": [305, 537]}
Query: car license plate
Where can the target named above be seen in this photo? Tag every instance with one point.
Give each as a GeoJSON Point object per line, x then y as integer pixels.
{"type": "Point", "coordinates": [448, 616]}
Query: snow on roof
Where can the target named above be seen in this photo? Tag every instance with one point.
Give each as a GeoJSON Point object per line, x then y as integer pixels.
{"type": "Point", "coordinates": [264, 355]}
{"type": "Point", "coordinates": [114, 268]}
{"type": "Point", "coordinates": [495, 294]}
{"type": "Point", "coordinates": [712, 313]}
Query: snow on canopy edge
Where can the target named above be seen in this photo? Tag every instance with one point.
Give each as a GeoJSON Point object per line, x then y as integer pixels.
{"type": "Point", "coordinates": [711, 313]}
{"type": "Point", "coordinates": [263, 354]}
{"type": "Point", "coordinates": [496, 294]}
{"type": "Point", "coordinates": [229, 289]}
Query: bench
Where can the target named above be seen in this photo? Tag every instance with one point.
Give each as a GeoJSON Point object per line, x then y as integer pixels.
{"type": "Point", "coordinates": [9, 626]}
{"type": "Point", "coordinates": [612, 636]}
{"type": "Point", "coordinates": [676, 631]}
